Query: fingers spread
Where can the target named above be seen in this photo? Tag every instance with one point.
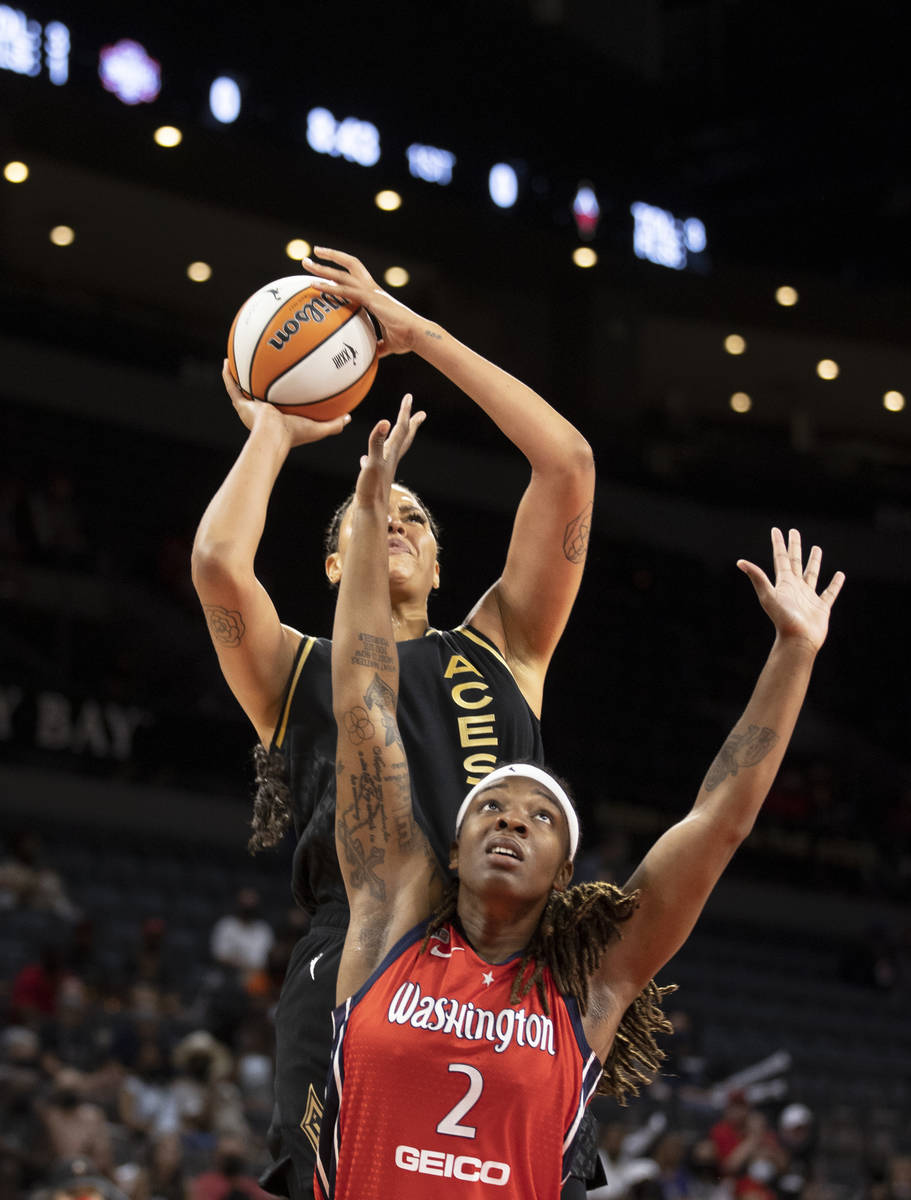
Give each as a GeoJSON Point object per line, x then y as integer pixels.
{"type": "Point", "coordinates": [831, 593]}
{"type": "Point", "coordinates": [795, 552]}
{"type": "Point", "coordinates": [811, 574]}
{"type": "Point", "coordinates": [756, 576]}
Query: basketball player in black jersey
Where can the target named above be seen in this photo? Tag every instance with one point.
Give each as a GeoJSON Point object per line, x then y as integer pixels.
{"type": "Point", "coordinates": [468, 696]}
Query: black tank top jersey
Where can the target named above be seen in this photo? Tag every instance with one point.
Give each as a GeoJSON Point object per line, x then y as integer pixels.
{"type": "Point", "coordinates": [460, 710]}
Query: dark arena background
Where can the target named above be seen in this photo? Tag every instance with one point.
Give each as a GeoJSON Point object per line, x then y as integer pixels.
{"type": "Point", "coordinates": [684, 222]}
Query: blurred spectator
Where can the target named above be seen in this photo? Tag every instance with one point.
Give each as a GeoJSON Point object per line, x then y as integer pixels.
{"type": "Point", "coordinates": [148, 962]}
{"type": "Point", "coordinates": [242, 939]}
{"type": "Point", "coordinates": [73, 1127]}
{"type": "Point", "coordinates": [207, 1106]}
{"type": "Point", "coordinates": [705, 1178]}
{"type": "Point", "coordinates": [797, 1132]}
{"type": "Point", "coordinates": [229, 1176]}
{"type": "Point", "coordinates": [76, 1180]}
{"type": "Point", "coordinates": [624, 1160]}
{"type": "Point", "coordinates": [749, 1152]}
{"type": "Point", "coordinates": [36, 988]}
{"type": "Point", "coordinates": [26, 882]}
{"type": "Point", "coordinates": [21, 1163]}
{"type": "Point", "coordinates": [76, 1036]}
{"type": "Point", "coordinates": [145, 1104]}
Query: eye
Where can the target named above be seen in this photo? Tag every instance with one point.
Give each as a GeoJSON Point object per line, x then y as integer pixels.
{"type": "Point", "coordinates": [486, 805]}
{"type": "Point", "coordinates": [417, 517]}
{"type": "Point", "coordinates": [546, 816]}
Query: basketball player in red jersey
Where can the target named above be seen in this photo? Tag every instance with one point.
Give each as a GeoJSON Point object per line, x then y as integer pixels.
{"type": "Point", "coordinates": [468, 695]}
{"type": "Point", "coordinates": [467, 1046]}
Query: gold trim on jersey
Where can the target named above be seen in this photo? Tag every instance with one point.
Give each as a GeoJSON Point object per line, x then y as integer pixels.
{"type": "Point", "coordinates": [488, 646]}
{"type": "Point", "coordinates": [310, 1121]}
{"type": "Point", "coordinates": [286, 708]}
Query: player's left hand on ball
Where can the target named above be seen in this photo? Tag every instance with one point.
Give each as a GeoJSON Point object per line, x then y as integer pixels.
{"type": "Point", "coordinates": [346, 276]}
{"type": "Point", "coordinates": [298, 430]}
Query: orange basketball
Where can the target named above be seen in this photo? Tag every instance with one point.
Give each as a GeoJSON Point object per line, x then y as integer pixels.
{"type": "Point", "coordinates": [296, 346]}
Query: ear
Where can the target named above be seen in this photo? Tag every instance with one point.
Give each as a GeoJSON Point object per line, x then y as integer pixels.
{"type": "Point", "coordinates": [334, 567]}
{"type": "Point", "coordinates": [564, 876]}
{"type": "Point", "coordinates": [454, 857]}
{"type": "Point", "coordinates": [436, 575]}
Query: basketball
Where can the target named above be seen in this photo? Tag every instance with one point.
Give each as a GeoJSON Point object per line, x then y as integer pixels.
{"type": "Point", "coordinates": [296, 346]}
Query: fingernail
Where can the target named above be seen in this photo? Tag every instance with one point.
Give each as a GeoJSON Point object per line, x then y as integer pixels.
{"type": "Point", "coordinates": [346, 419]}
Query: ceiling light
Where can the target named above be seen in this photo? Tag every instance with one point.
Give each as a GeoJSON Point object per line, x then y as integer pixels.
{"type": "Point", "coordinates": [168, 136]}
{"type": "Point", "coordinates": [388, 200]}
{"type": "Point", "coordinates": [584, 256]}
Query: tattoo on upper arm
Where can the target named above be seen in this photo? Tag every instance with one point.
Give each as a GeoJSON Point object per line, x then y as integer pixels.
{"type": "Point", "coordinates": [740, 750]}
{"type": "Point", "coordinates": [374, 652]}
{"type": "Point", "coordinates": [576, 534]}
{"type": "Point", "coordinates": [227, 628]}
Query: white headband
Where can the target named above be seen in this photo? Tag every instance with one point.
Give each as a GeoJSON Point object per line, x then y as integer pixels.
{"type": "Point", "coordinates": [527, 771]}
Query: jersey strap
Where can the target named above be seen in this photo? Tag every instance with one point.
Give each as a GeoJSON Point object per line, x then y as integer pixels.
{"type": "Point", "coordinates": [303, 652]}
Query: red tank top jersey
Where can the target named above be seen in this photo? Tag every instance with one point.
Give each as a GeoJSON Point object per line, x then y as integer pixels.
{"type": "Point", "coordinates": [439, 1087]}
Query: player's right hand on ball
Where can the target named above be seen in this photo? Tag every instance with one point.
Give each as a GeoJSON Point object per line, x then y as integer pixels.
{"type": "Point", "coordinates": [347, 277]}
{"type": "Point", "coordinates": [298, 430]}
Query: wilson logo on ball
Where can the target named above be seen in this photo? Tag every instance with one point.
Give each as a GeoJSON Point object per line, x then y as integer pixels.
{"type": "Point", "coordinates": [290, 339]}
{"type": "Point", "coordinates": [314, 311]}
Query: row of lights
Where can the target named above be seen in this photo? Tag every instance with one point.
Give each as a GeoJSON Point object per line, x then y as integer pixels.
{"type": "Point", "coordinates": [826, 368]}
{"type": "Point", "coordinates": [742, 402]}
{"type": "Point", "coordinates": [386, 200]}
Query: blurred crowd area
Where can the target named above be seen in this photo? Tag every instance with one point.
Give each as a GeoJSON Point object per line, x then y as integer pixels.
{"type": "Point", "coordinates": [138, 985]}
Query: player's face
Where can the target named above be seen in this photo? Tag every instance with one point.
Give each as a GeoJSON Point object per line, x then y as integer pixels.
{"type": "Point", "coordinates": [514, 839]}
{"type": "Point", "coordinates": [413, 565]}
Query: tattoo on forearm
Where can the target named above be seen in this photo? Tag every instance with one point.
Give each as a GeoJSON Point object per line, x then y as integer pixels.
{"type": "Point", "coordinates": [227, 628]}
{"type": "Point", "coordinates": [740, 750]}
{"type": "Point", "coordinates": [373, 652]}
{"type": "Point", "coordinates": [380, 695]}
{"type": "Point", "coordinates": [437, 337]}
{"type": "Point", "coordinates": [363, 827]}
{"type": "Point", "coordinates": [358, 725]}
{"type": "Point", "coordinates": [575, 536]}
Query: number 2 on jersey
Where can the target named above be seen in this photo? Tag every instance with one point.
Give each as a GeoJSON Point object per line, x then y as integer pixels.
{"type": "Point", "coordinates": [450, 1123]}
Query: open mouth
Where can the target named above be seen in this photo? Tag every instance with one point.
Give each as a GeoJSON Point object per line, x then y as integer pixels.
{"type": "Point", "coordinates": [505, 849]}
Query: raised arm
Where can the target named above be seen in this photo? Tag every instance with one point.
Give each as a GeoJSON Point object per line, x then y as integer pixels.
{"type": "Point", "coordinates": [254, 649]}
{"type": "Point", "coordinates": [677, 875]}
{"type": "Point", "coordinates": [389, 871]}
{"type": "Point", "coordinates": [526, 610]}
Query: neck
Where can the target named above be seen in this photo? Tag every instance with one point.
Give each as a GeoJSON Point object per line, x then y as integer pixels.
{"type": "Point", "coordinates": [498, 927]}
{"type": "Point", "coordinates": [409, 620]}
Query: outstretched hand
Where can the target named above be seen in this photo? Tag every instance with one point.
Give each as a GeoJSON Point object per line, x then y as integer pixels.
{"type": "Point", "coordinates": [351, 280]}
{"type": "Point", "coordinates": [385, 450]}
{"type": "Point", "coordinates": [792, 602]}
{"type": "Point", "coordinates": [298, 430]}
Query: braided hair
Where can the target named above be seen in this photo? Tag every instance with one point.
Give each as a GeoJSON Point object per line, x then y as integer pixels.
{"type": "Point", "coordinates": [575, 929]}
{"type": "Point", "coordinates": [271, 801]}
